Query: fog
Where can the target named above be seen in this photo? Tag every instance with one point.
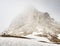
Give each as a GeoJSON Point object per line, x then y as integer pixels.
{"type": "Point", "coordinates": [11, 8]}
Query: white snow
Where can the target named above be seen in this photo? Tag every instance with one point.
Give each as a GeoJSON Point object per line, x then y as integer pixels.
{"type": "Point", "coordinates": [6, 41]}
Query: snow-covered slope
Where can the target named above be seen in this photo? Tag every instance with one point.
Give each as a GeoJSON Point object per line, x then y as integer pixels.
{"type": "Point", "coordinates": [6, 41]}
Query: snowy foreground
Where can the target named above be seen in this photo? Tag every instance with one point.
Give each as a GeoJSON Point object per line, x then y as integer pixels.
{"type": "Point", "coordinates": [9, 41]}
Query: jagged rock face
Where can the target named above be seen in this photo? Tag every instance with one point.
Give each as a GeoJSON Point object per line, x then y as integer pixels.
{"type": "Point", "coordinates": [31, 21]}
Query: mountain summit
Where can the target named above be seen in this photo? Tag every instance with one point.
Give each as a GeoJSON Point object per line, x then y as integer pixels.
{"type": "Point", "coordinates": [32, 20]}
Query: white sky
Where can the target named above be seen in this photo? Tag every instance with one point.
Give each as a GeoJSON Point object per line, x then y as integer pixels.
{"type": "Point", "coordinates": [10, 8]}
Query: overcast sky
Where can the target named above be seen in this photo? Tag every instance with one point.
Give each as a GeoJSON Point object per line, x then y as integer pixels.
{"type": "Point", "coordinates": [10, 8]}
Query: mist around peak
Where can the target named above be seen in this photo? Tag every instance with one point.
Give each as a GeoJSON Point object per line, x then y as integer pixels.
{"type": "Point", "coordinates": [32, 20]}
